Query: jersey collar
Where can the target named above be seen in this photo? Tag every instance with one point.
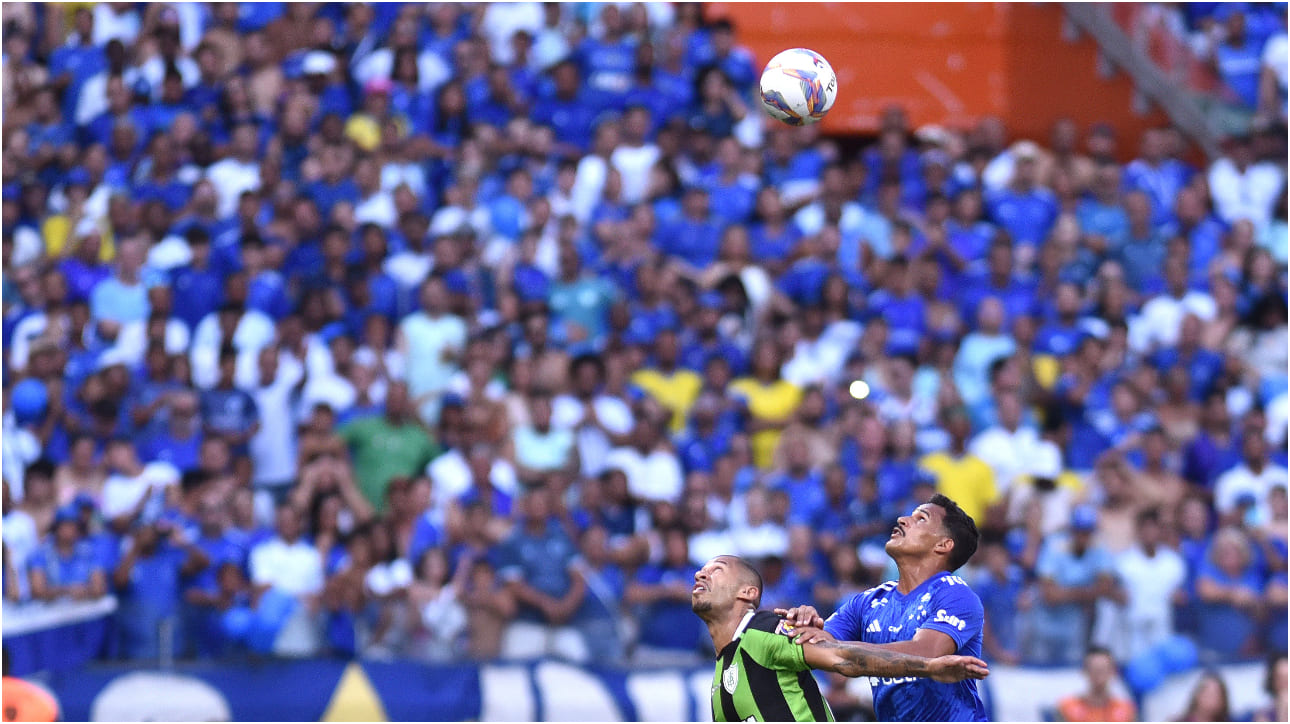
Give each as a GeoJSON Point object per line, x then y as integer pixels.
{"type": "Point", "coordinates": [743, 624]}
{"type": "Point", "coordinates": [739, 632]}
{"type": "Point", "coordinates": [922, 586]}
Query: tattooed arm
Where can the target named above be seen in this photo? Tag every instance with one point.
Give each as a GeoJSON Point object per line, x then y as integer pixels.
{"type": "Point", "coordinates": [852, 658]}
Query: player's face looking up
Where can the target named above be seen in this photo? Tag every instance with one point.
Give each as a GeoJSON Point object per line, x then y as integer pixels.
{"type": "Point", "coordinates": [920, 533]}
{"type": "Point", "coordinates": [720, 583]}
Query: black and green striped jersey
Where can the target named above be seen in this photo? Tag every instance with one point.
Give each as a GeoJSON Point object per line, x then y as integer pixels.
{"type": "Point", "coordinates": [762, 676]}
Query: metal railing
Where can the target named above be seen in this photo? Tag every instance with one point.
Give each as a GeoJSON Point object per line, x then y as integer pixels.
{"type": "Point", "coordinates": [1170, 93]}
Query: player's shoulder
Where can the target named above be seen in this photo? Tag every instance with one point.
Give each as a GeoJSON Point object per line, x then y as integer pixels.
{"type": "Point", "coordinates": [766, 621]}
{"type": "Point", "coordinates": [882, 590]}
{"type": "Point", "coordinates": [948, 580]}
{"type": "Point", "coordinates": [951, 586]}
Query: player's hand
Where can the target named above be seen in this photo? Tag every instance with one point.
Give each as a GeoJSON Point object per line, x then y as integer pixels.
{"type": "Point", "coordinates": [801, 616]}
{"type": "Point", "coordinates": [951, 669]}
{"type": "Point", "coordinates": [811, 635]}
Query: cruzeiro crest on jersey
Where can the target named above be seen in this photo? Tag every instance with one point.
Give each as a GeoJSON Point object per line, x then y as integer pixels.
{"type": "Point", "coordinates": [730, 678]}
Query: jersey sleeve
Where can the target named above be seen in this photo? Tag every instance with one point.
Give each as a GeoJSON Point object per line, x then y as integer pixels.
{"type": "Point", "coordinates": [846, 623]}
{"type": "Point", "coordinates": [956, 611]}
{"type": "Point", "coordinates": [768, 639]}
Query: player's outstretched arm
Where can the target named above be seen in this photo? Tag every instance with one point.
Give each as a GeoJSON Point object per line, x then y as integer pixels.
{"type": "Point", "coordinates": [853, 658]}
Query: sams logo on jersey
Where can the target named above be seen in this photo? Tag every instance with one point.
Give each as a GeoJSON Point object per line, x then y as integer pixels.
{"type": "Point", "coordinates": [951, 619]}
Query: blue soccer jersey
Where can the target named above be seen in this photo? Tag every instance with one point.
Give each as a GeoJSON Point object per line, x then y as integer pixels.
{"type": "Point", "coordinates": [882, 615]}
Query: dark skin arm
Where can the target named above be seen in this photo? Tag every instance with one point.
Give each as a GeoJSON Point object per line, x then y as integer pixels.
{"type": "Point", "coordinates": [926, 642]}
{"type": "Point", "coordinates": [853, 659]}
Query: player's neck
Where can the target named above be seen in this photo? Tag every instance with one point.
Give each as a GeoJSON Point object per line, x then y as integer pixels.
{"type": "Point", "coordinates": [722, 630]}
{"type": "Point", "coordinates": [914, 573]}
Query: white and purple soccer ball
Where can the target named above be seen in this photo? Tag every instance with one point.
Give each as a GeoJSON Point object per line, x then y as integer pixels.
{"type": "Point", "coordinates": [798, 87]}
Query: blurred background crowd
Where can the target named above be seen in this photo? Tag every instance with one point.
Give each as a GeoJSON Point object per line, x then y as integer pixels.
{"type": "Point", "coordinates": [445, 331]}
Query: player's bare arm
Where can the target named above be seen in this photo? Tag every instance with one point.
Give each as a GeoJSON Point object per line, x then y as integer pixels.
{"type": "Point", "coordinates": [927, 642]}
{"type": "Point", "coordinates": [860, 659]}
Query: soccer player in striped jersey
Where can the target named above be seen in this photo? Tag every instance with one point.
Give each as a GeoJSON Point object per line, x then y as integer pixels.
{"type": "Point", "coordinates": [762, 675]}
{"type": "Point", "coordinates": [928, 611]}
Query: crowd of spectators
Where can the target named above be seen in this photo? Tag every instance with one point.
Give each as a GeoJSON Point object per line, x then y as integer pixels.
{"type": "Point", "coordinates": [1243, 43]}
{"type": "Point", "coordinates": [444, 331]}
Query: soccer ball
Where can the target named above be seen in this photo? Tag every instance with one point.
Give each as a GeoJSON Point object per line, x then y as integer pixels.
{"type": "Point", "coordinates": [798, 87]}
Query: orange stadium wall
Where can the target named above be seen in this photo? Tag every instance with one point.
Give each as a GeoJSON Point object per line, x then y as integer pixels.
{"type": "Point", "coordinates": [947, 63]}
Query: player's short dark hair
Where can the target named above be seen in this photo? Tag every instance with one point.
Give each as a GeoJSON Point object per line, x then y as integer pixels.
{"type": "Point", "coordinates": [962, 530]}
{"type": "Point", "coordinates": [752, 575]}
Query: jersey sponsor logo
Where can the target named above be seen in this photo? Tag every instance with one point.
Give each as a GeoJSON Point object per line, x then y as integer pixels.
{"type": "Point", "coordinates": [875, 627]}
{"type": "Point", "coordinates": [950, 619]}
{"type": "Point", "coordinates": [730, 678]}
{"type": "Point", "coordinates": [875, 681]}
{"type": "Point", "coordinates": [894, 629]}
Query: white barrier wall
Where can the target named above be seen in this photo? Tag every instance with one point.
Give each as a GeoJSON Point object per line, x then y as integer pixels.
{"type": "Point", "coordinates": [328, 690]}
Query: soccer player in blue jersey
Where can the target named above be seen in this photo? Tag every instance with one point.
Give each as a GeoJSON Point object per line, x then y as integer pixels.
{"type": "Point", "coordinates": [928, 611]}
{"type": "Point", "coordinates": [761, 675]}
